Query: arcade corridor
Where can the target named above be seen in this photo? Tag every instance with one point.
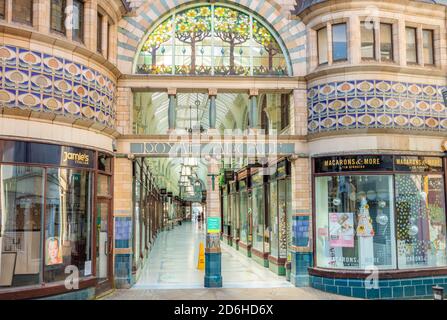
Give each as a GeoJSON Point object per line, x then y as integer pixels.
{"type": "Point", "coordinates": [171, 272]}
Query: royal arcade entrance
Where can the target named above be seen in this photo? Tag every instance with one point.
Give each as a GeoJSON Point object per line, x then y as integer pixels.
{"type": "Point", "coordinates": [213, 126]}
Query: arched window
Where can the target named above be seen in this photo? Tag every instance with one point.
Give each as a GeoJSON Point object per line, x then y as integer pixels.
{"type": "Point", "coordinates": [212, 40]}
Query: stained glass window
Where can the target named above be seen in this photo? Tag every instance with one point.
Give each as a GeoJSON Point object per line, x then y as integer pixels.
{"type": "Point", "coordinates": [211, 40]}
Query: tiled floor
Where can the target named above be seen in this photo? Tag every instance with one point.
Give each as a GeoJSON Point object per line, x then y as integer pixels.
{"type": "Point", "coordinates": [171, 273]}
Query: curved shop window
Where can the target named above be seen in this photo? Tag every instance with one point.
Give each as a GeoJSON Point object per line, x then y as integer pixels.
{"type": "Point", "coordinates": [382, 211]}
{"type": "Point", "coordinates": [46, 197]}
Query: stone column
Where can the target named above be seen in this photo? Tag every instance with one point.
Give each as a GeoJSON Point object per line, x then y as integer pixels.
{"type": "Point", "coordinates": [213, 112]}
{"type": "Point", "coordinates": [41, 11]}
{"type": "Point", "coordinates": [302, 253]}
{"type": "Point", "coordinates": [105, 38]}
{"type": "Point", "coordinates": [253, 111]}
{"type": "Point", "coordinates": [123, 216]}
{"type": "Point", "coordinates": [172, 94]}
{"type": "Point", "coordinates": [124, 110]}
{"type": "Point", "coordinates": [213, 255]}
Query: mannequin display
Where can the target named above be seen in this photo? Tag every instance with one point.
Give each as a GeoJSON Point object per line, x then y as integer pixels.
{"type": "Point", "coordinates": [365, 234]}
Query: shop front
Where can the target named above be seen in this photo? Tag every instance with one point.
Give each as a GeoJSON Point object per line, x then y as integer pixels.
{"type": "Point", "coordinates": [245, 241]}
{"type": "Point", "coordinates": [379, 215]}
{"type": "Point", "coordinates": [56, 204]}
{"type": "Point", "coordinates": [261, 232]}
{"type": "Point", "coordinates": [226, 214]}
{"type": "Point", "coordinates": [233, 199]}
{"type": "Point", "coordinates": [280, 217]}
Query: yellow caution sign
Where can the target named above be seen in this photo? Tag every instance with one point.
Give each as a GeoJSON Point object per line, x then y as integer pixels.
{"type": "Point", "coordinates": [201, 263]}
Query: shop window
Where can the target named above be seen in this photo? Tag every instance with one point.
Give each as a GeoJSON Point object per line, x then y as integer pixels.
{"type": "Point", "coordinates": [21, 225]}
{"type": "Point", "coordinates": [102, 240]}
{"type": "Point", "coordinates": [429, 52]}
{"type": "Point", "coordinates": [355, 227]}
{"type": "Point", "coordinates": [2, 9]}
{"type": "Point", "coordinates": [322, 42]}
{"type": "Point", "coordinates": [104, 163]}
{"type": "Point", "coordinates": [386, 42]}
{"type": "Point", "coordinates": [285, 109]}
{"type": "Point", "coordinates": [273, 203]}
{"type": "Point", "coordinates": [22, 11]}
{"type": "Point", "coordinates": [243, 206]}
{"type": "Point", "coordinates": [68, 226]}
{"type": "Point", "coordinates": [104, 185]}
{"type": "Point", "coordinates": [421, 221]}
{"type": "Point", "coordinates": [99, 31]}
{"type": "Point", "coordinates": [339, 42]}
{"type": "Point", "coordinates": [260, 229]}
{"type": "Point", "coordinates": [58, 15]}
{"type": "Point", "coordinates": [78, 20]}
{"type": "Point", "coordinates": [412, 48]}
{"type": "Point", "coordinates": [368, 41]}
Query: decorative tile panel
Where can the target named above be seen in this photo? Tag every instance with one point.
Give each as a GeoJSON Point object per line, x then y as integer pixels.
{"type": "Point", "coordinates": [38, 82]}
{"type": "Point", "coordinates": [366, 104]}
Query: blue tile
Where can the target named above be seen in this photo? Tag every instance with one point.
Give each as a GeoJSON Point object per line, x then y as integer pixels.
{"type": "Point", "coordinates": [406, 283]}
{"type": "Point", "coordinates": [421, 290]}
{"type": "Point", "coordinates": [318, 287]}
{"type": "Point", "coordinates": [395, 283]}
{"type": "Point", "coordinates": [328, 281]}
{"type": "Point", "coordinates": [356, 283]}
{"type": "Point", "coordinates": [384, 283]}
{"type": "Point", "coordinates": [438, 280]}
{"type": "Point", "coordinates": [341, 282]}
{"type": "Point", "coordinates": [359, 292]}
{"type": "Point", "coordinates": [417, 282]}
{"type": "Point", "coordinates": [345, 291]}
{"type": "Point", "coordinates": [398, 292]}
{"type": "Point", "coordinates": [409, 291]}
{"type": "Point", "coordinates": [373, 294]}
{"type": "Point", "coordinates": [428, 281]}
{"type": "Point", "coordinates": [386, 293]}
{"type": "Point", "coordinates": [331, 289]}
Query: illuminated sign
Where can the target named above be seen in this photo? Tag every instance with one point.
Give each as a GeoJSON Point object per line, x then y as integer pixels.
{"type": "Point", "coordinates": [418, 164]}
{"type": "Point", "coordinates": [354, 163]}
{"type": "Point", "coordinates": [75, 157]}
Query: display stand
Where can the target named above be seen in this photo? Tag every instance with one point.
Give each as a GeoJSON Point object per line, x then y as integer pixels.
{"type": "Point", "coordinates": [365, 234]}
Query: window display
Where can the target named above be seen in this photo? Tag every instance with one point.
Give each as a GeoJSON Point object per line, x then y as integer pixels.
{"type": "Point", "coordinates": [243, 206]}
{"type": "Point", "coordinates": [421, 234]}
{"type": "Point", "coordinates": [68, 223]}
{"type": "Point", "coordinates": [355, 227]}
{"type": "Point", "coordinates": [258, 218]}
{"type": "Point", "coordinates": [273, 204]}
{"type": "Point", "coordinates": [392, 220]}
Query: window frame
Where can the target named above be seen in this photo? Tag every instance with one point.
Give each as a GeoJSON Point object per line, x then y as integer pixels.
{"type": "Point", "coordinates": [433, 55]}
{"type": "Point", "coordinates": [416, 48]}
{"type": "Point", "coordinates": [81, 32]}
{"type": "Point", "coordinates": [346, 33]}
{"type": "Point", "coordinates": [64, 17]}
{"type": "Point", "coordinates": [30, 23]}
{"type": "Point", "coordinates": [391, 26]}
{"type": "Point", "coordinates": [374, 34]}
{"type": "Point", "coordinates": [318, 47]}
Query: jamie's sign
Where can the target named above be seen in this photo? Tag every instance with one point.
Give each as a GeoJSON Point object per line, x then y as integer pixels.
{"type": "Point", "coordinates": [354, 163]}
{"type": "Point", "coordinates": [74, 157]}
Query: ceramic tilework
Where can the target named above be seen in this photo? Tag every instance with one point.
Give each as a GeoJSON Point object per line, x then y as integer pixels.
{"type": "Point", "coordinates": [38, 82]}
{"type": "Point", "coordinates": [376, 104]}
{"type": "Point", "coordinates": [414, 288]}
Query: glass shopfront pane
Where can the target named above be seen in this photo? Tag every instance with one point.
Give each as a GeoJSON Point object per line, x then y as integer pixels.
{"type": "Point", "coordinates": [244, 223]}
{"type": "Point", "coordinates": [225, 211]}
{"type": "Point", "coordinates": [386, 42]}
{"type": "Point", "coordinates": [421, 222]}
{"type": "Point", "coordinates": [289, 217]}
{"type": "Point", "coordinates": [274, 235]}
{"type": "Point", "coordinates": [21, 225]}
{"type": "Point", "coordinates": [322, 46]}
{"type": "Point", "coordinates": [258, 218]}
{"type": "Point", "coordinates": [102, 244]}
{"type": "Point", "coordinates": [355, 222]}
{"type": "Point", "coordinates": [412, 55]}
{"type": "Point", "coordinates": [68, 227]}
{"type": "Point", "coordinates": [282, 219]}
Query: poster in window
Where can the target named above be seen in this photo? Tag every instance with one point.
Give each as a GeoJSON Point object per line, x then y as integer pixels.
{"type": "Point", "coordinates": [53, 251]}
{"type": "Point", "coordinates": [341, 230]}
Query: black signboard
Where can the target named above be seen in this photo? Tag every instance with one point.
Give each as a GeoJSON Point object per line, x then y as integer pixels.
{"type": "Point", "coordinates": [229, 175]}
{"type": "Point", "coordinates": [354, 163]}
{"type": "Point", "coordinates": [75, 157]}
{"type": "Point", "coordinates": [163, 191]}
{"type": "Point", "coordinates": [417, 164]}
{"type": "Point", "coordinates": [283, 169]}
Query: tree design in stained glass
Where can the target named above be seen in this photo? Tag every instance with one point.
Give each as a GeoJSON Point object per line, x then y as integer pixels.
{"type": "Point", "coordinates": [263, 37]}
{"type": "Point", "coordinates": [232, 27]}
{"type": "Point", "coordinates": [192, 26]}
{"type": "Point", "coordinates": [211, 39]}
{"type": "Point", "coordinates": [160, 36]}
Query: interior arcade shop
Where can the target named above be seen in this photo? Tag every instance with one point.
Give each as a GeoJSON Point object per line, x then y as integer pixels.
{"type": "Point", "coordinates": [257, 214]}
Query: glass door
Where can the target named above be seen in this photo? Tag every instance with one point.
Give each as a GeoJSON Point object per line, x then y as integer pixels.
{"type": "Point", "coordinates": [103, 241]}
